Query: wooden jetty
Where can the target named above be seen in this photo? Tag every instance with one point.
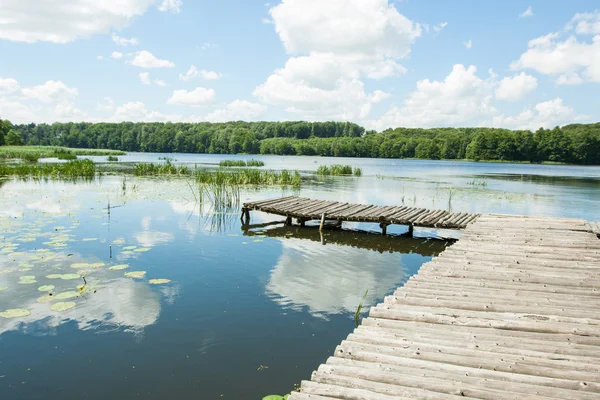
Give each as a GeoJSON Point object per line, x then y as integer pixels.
{"type": "Point", "coordinates": [511, 311]}
{"type": "Point", "coordinates": [305, 209]}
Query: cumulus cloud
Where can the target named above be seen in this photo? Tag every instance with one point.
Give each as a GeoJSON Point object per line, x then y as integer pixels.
{"type": "Point", "coordinates": [237, 110]}
{"type": "Point", "coordinates": [145, 59]}
{"type": "Point", "coordinates": [457, 100]}
{"type": "Point", "coordinates": [546, 114]}
{"type": "Point", "coordinates": [197, 97]}
{"type": "Point", "coordinates": [515, 87]}
{"type": "Point", "coordinates": [322, 79]}
{"type": "Point", "coordinates": [121, 41]}
{"type": "Point", "coordinates": [27, 21]}
{"type": "Point", "coordinates": [527, 13]}
{"type": "Point", "coordinates": [145, 77]}
{"type": "Point", "coordinates": [8, 86]}
{"type": "Point", "coordinates": [438, 28]}
{"type": "Point", "coordinates": [116, 55]}
{"type": "Point", "coordinates": [567, 54]}
{"type": "Point", "coordinates": [173, 6]}
{"type": "Point", "coordinates": [160, 83]}
{"type": "Point", "coordinates": [50, 92]}
{"type": "Point", "coordinates": [193, 72]}
{"type": "Point", "coordinates": [138, 112]}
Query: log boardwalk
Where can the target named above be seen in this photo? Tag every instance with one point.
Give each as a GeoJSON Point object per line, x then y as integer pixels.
{"type": "Point", "coordinates": [305, 209]}
{"type": "Point", "coordinates": [511, 311]}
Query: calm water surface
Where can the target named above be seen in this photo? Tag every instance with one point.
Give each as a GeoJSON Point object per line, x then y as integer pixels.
{"type": "Point", "coordinates": [246, 313]}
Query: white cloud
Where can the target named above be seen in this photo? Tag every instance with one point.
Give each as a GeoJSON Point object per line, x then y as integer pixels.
{"type": "Point", "coordinates": [572, 58]}
{"type": "Point", "coordinates": [137, 111]}
{"type": "Point", "coordinates": [586, 23]}
{"type": "Point", "coordinates": [468, 44]}
{"type": "Point", "coordinates": [515, 87]}
{"type": "Point", "coordinates": [99, 58]}
{"type": "Point", "coordinates": [68, 20]}
{"type": "Point", "coordinates": [50, 92]}
{"type": "Point", "coordinates": [8, 86]}
{"type": "Point", "coordinates": [190, 74]}
{"type": "Point", "coordinates": [145, 77]}
{"type": "Point", "coordinates": [438, 28]}
{"type": "Point", "coordinates": [67, 112]}
{"type": "Point", "coordinates": [527, 13]}
{"type": "Point", "coordinates": [197, 97]}
{"type": "Point", "coordinates": [459, 99]}
{"type": "Point", "coordinates": [193, 72]}
{"type": "Point", "coordinates": [121, 41]}
{"type": "Point", "coordinates": [237, 110]}
{"type": "Point", "coordinates": [547, 114]}
{"type": "Point", "coordinates": [116, 55]}
{"type": "Point", "coordinates": [210, 75]}
{"type": "Point", "coordinates": [364, 40]}
{"type": "Point", "coordinates": [145, 59]}
{"type": "Point", "coordinates": [173, 6]}
{"type": "Point", "coordinates": [159, 82]}
{"type": "Point", "coordinates": [108, 105]}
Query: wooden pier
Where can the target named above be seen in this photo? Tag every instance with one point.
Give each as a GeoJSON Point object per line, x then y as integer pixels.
{"type": "Point", "coordinates": [305, 209]}
{"type": "Point", "coordinates": [511, 311]}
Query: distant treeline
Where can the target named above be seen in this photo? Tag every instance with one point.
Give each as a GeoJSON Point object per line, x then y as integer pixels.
{"type": "Point", "coordinates": [577, 143]}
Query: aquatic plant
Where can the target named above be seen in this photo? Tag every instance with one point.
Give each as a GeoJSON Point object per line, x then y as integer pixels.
{"type": "Point", "coordinates": [359, 309]}
{"type": "Point", "coordinates": [241, 163]}
{"type": "Point", "coordinates": [33, 153]}
{"type": "Point", "coordinates": [336, 170]}
{"type": "Point", "coordinates": [70, 169]}
{"type": "Point", "coordinates": [248, 176]}
{"type": "Point", "coordinates": [167, 168]}
{"type": "Point", "coordinates": [112, 158]}
{"type": "Point", "coordinates": [357, 171]}
{"type": "Point", "coordinates": [482, 182]}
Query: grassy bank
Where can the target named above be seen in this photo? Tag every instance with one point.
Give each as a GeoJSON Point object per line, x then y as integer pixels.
{"type": "Point", "coordinates": [241, 163]}
{"type": "Point", "coordinates": [33, 153]}
{"type": "Point", "coordinates": [70, 169]}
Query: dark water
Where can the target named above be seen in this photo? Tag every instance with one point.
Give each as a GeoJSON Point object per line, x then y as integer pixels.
{"type": "Point", "coordinates": [246, 313]}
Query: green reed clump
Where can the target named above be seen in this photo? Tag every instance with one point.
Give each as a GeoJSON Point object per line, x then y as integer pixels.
{"type": "Point", "coordinates": [33, 153]}
{"type": "Point", "coordinates": [248, 176]}
{"type": "Point", "coordinates": [63, 154]}
{"type": "Point", "coordinates": [357, 171]}
{"type": "Point", "coordinates": [335, 169]}
{"type": "Point", "coordinates": [167, 168]}
{"type": "Point", "coordinates": [112, 158]}
{"type": "Point", "coordinates": [482, 182]}
{"type": "Point", "coordinates": [241, 163]}
{"type": "Point", "coordinates": [71, 169]}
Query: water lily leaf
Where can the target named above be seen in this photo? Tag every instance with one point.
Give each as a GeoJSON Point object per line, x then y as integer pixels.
{"type": "Point", "coordinates": [80, 265]}
{"type": "Point", "coordinates": [119, 267]}
{"type": "Point", "coordinates": [62, 306]}
{"type": "Point", "coordinates": [158, 281]}
{"type": "Point", "coordinates": [45, 299]}
{"type": "Point", "coordinates": [142, 249]}
{"type": "Point", "coordinates": [27, 280]}
{"type": "Point", "coordinates": [129, 247]}
{"type": "Point", "coordinates": [3, 288]}
{"type": "Point", "coordinates": [15, 313]}
{"type": "Point", "coordinates": [119, 241]}
{"type": "Point", "coordinates": [46, 288]}
{"type": "Point", "coordinates": [273, 397]}
{"type": "Point", "coordinates": [89, 239]}
{"type": "Point", "coordinates": [66, 295]}
{"type": "Point", "coordinates": [97, 265]}
{"type": "Point", "coordinates": [53, 276]}
{"type": "Point", "coordinates": [135, 274]}
{"type": "Point", "coordinates": [6, 271]}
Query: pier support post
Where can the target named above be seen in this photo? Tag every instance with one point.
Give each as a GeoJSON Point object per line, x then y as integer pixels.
{"type": "Point", "coordinates": [288, 221]}
{"type": "Point", "coordinates": [322, 222]}
{"type": "Point", "coordinates": [411, 230]}
{"type": "Point", "coordinates": [383, 228]}
{"type": "Point", "coordinates": [302, 222]}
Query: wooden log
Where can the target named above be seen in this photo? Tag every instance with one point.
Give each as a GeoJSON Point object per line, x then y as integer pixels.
{"type": "Point", "coordinates": [322, 222]}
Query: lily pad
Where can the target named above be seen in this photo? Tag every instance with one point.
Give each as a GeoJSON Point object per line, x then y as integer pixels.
{"type": "Point", "coordinates": [158, 281]}
{"type": "Point", "coordinates": [62, 306]}
{"type": "Point", "coordinates": [89, 239]}
{"type": "Point", "coordinates": [135, 274]}
{"type": "Point", "coordinates": [142, 249]}
{"type": "Point", "coordinates": [45, 299]}
{"type": "Point", "coordinates": [80, 265]}
{"type": "Point", "coordinates": [129, 247]}
{"type": "Point", "coordinates": [119, 241]}
{"type": "Point", "coordinates": [27, 280]}
{"type": "Point", "coordinates": [15, 313]}
{"type": "Point", "coordinates": [6, 271]}
{"type": "Point", "coordinates": [66, 295]}
{"type": "Point", "coordinates": [119, 267]}
{"type": "Point", "coordinates": [3, 288]}
{"type": "Point", "coordinates": [46, 288]}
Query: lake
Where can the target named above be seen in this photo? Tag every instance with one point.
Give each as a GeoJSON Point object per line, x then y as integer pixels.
{"type": "Point", "coordinates": [181, 302]}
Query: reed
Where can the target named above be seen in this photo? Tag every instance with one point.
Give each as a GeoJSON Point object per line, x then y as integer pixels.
{"type": "Point", "coordinates": [112, 158]}
{"type": "Point", "coordinates": [241, 163]}
{"type": "Point", "coordinates": [337, 170]}
{"type": "Point", "coordinates": [33, 153]}
{"type": "Point", "coordinates": [248, 176]}
{"type": "Point", "coordinates": [70, 169]}
{"type": "Point", "coordinates": [167, 168]}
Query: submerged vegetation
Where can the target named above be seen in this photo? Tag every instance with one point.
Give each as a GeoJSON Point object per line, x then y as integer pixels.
{"type": "Point", "coordinates": [70, 169]}
{"type": "Point", "coordinates": [338, 170]}
{"type": "Point", "coordinates": [241, 163]}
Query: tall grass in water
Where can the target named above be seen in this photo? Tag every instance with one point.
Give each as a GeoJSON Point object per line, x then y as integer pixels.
{"type": "Point", "coordinates": [167, 168]}
{"type": "Point", "coordinates": [70, 169]}
{"type": "Point", "coordinates": [338, 170]}
{"type": "Point", "coordinates": [33, 153]}
{"type": "Point", "coordinates": [247, 176]}
{"type": "Point", "coordinates": [482, 182]}
{"type": "Point", "coordinates": [241, 163]}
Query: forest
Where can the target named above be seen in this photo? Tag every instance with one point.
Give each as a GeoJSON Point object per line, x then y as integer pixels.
{"type": "Point", "coordinates": [575, 144]}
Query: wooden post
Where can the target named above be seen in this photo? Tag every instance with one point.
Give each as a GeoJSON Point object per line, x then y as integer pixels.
{"type": "Point", "coordinates": [411, 230]}
{"type": "Point", "coordinates": [383, 228]}
{"type": "Point", "coordinates": [302, 222]}
{"type": "Point", "coordinates": [243, 213]}
{"type": "Point", "coordinates": [247, 213]}
{"type": "Point", "coordinates": [322, 222]}
{"type": "Point", "coordinates": [288, 221]}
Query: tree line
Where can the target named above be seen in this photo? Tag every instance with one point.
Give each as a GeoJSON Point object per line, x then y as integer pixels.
{"type": "Point", "coordinates": [576, 143]}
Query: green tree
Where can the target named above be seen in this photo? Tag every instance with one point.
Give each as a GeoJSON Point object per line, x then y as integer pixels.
{"type": "Point", "coordinates": [13, 138]}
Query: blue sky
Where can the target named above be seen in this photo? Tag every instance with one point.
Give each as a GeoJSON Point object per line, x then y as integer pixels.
{"type": "Point", "coordinates": [380, 63]}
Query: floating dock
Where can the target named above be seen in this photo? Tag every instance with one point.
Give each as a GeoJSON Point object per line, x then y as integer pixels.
{"type": "Point", "coordinates": [510, 311]}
